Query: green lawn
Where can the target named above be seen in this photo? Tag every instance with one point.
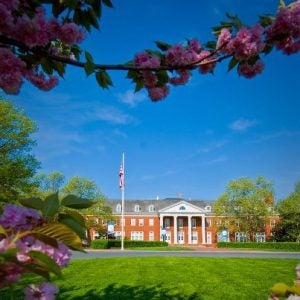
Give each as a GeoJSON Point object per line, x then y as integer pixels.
{"type": "Point", "coordinates": [174, 278]}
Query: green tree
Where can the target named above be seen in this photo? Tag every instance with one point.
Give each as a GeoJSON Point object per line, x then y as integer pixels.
{"type": "Point", "coordinates": [17, 164]}
{"type": "Point", "coordinates": [49, 183]}
{"type": "Point", "coordinates": [83, 188]}
{"type": "Point", "coordinates": [245, 205]}
{"type": "Point", "coordinates": [289, 209]}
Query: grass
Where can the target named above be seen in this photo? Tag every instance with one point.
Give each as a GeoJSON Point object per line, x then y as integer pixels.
{"type": "Point", "coordinates": [173, 278]}
{"type": "Point", "coordinates": [167, 248]}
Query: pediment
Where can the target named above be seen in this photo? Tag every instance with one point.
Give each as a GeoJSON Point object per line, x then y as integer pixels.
{"type": "Point", "coordinates": [182, 207]}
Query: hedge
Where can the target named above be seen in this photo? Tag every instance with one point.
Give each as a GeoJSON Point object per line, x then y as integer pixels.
{"type": "Point", "coordinates": [107, 244]}
{"type": "Point", "coordinates": [291, 246]}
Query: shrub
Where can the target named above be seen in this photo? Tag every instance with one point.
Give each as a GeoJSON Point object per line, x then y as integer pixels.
{"type": "Point", "coordinates": [291, 246]}
{"type": "Point", "coordinates": [107, 244]}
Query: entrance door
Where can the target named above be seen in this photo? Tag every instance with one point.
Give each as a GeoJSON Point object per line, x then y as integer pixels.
{"type": "Point", "coordinates": [180, 237]}
{"type": "Point", "coordinates": [195, 237]}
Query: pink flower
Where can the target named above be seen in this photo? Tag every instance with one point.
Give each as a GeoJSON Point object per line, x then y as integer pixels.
{"type": "Point", "coordinates": [6, 19]}
{"type": "Point", "coordinates": [11, 71]}
{"type": "Point", "coordinates": [40, 80]}
{"type": "Point", "coordinates": [143, 59]}
{"type": "Point", "coordinates": [223, 39]}
{"type": "Point", "coordinates": [250, 71]}
{"type": "Point", "coordinates": [150, 79]}
{"type": "Point", "coordinates": [158, 93]}
{"type": "Point", "coordinates": [44, 291]}
{"type": "Point", "coordinates": [176, 56]}
{"type": "Point", "coordinates": [9, 273]}
{"type": "Point", "coordinates": [194, 45]}
{"type": "Point", "coordinates": [71, 34]}
{"type": "Point", "coordinates": [183, 77]}
{"type": "Point", "coordinates": [205, 57]}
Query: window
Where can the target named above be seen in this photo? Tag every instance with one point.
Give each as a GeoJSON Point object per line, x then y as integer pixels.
{"type": "Point", "coordinates": [180, 222]}
{"type": "Point", "coordinates": [182, 207]}
{"type": "Point", "coordinates": [167, 222]}
{"type": "Point", "coordinates": [141, 222]}
{"type": "Point", "coordinates": [151, 208]}
{"type": "Point", "coordinates": [208, 208]}
{"type": "Point", "coordinates": [260, 237]}
{"type": "Point", "coordinates": [132, 222]}
{"type": "Point", "coordinates": [194, 222]}
{"type": "Point", "coordinates": [151, 236]}
{"type": "Point", "coordinates": [240, 237]}
{"type": "Point", "coordinates": [151, 222]}
{"type": "Point", "coordinates": [208, 222]}
{"type": "Point", "coordinates": [137, 235]}
{"type": "Point", "coordinates": [119, 208]}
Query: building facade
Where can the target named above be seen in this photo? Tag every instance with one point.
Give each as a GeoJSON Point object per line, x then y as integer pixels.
{"type": "Point", "coordinates": [175, 220]}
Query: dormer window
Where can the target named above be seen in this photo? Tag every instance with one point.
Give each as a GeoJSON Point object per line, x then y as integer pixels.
{"type": "Point", "coordinates": [137, 208]}
{"type": "Point", "coordinates": [182, 207]}
{"type": "Point", "coordinates": [151, 208]}
{"type": "Point", "coordinates": [208, 208]}
{"type": "Point", "coordinates": [118, 207]}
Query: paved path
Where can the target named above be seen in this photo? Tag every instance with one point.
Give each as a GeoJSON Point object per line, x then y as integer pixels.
{"type": "Point", "coordinates": [205, 252]}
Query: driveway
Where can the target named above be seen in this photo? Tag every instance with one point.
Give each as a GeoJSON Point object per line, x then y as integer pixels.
{"type": "Point", "coordinates": [210, 252]}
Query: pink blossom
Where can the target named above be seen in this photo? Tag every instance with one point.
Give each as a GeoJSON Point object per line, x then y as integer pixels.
{"type": "Point", "coordinates": [40, 80]}
{"type": "Point", "coordinates": [150, 79]}
{"type": "Point", "coordinates": [44, 291]}
{"type": "Point", "coordinates": [194, 45]}
{"type": "Point", "coordinates": [205, 57]}
{"type": "Point", "coordinates": [176, 56]}
{"type": "Point", "coordinates": [6, 19]}
{"type": "Point", "coordinates": [4, 244]}
{"type": "Point", "coordinates": [10, 4]}
{"type": "Point", "coordinates": [9, 273]}
{"type": "Point", "coordinates": [183, 77]}
{"type": "Point", "coordinates": [158, 93]}
{"type": "Point", "coordinates": [250, 71]}
{"type": "Point", "coordinates": [223, 39]}
{"type": "Point", "coordinates": [71, 34]}
{"type": "Point", "coordinates": [11, 71]}
{"type": "Point", "coordinates": [20, 218]}
{"type": "Point", "coordinates": [144, 59]}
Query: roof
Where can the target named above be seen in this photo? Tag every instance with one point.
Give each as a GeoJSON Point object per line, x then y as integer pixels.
{"type": "Point", "coordinates": [144, 205]}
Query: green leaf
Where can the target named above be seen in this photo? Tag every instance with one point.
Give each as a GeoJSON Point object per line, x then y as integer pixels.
{"type": "Point", "coordinates": [108, 3]}
{"type": "Point", "coordinates": [73, 224]}
{"type": "Point", "coordinates": [62, 233]}
{"type": "Point", "coordinates": [2, 230]}
{"type": "Point", "coordinates": [50, 205]}
{"type": "Point", "coordinates": [37, 270]}
{"type": "Point", "coordinates": [59, 67]}
{"type": "Point", "coordinates": [162, 77]}
{"type": "Point", "coordinates": [281, 4]}
{"type": "Point", "coordinates": [45, 262]}
{"type": "Point", "coordinates": [73, 201]}
{"type": "Point", "coordinates": [265, 21]}
{"type": "Point", "coordinates": [103, 79]}
{"type": "Point", "coordinates": [76, 216]}
{"type": "Point", "coordinates": [268, 48]}
{"type": "Point", "coordinates": [211, 45]}
{"type": "Point", "coordinates": [233, 62]}
{"type": "Point", "coordinates": [88, 56]}
{"type": "Point", "coordinates": [89, 68]}
{"type": "Point", "coordinates": [139, 84]}
{"type": "Point", "coordinates": [33, 202]}
{"type": "Point", "coordinates": [93, 18]}
{"type": "Point", "coordinates": [162, 45]}
{"type": "Point", "coordinates": [46, 239]}
{"type": "Point", "coordinates": [132, 74]}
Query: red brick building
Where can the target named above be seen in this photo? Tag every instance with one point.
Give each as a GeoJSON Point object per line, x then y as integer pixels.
{"type": "Point", "coordinates": [175, 220]}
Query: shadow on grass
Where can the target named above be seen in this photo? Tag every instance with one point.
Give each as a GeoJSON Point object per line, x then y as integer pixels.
{"type": "Point", "coordinates": [124, 292]}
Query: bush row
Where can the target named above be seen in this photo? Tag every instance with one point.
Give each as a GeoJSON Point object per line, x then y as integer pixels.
{"type": "Point", "coordinates": [268, 245]}
{"type": "Point", "coordinates": [107, 244]}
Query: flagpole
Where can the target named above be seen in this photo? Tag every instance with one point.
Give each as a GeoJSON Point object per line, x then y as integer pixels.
{"type": "Point", "coordinates": [123, 194]}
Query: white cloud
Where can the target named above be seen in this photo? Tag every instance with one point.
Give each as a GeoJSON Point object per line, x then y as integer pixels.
{"type": "Point", "coordinates": [242, 124]}
{"type": "Point", "coordinates": [216, 160]}
{"type": "Point", "coordinates": [131, 98]}
{"type": "Point", "coordinates": [111, 115]}
{"type": "Point", "coordinates": [212, 146]}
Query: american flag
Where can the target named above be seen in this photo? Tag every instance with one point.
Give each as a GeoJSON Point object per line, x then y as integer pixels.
{"type": "Point", "coordinates": [121, 175]}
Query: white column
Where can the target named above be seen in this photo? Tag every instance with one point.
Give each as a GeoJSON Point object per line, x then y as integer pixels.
{"type": "Point", "coordinates": [203, 229]}
{"type": "Point", "coordinates": [189, 229]}
{"type": "Point", "coordinates": [161, 224]}
{"type": "Point", "coordinates": [175, 229]}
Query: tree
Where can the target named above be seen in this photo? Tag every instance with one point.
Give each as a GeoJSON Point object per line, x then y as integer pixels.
{"type": "Point", "coordinates": [289, 209]}
{"type": "Point", "coordinates": [83, 188]}
{"type": "Point", "coordinates": [17, 165]}
{"type": "Point", "coordinates": [245, 205]}
{"type": "Point", "coordinates": [39, 48]}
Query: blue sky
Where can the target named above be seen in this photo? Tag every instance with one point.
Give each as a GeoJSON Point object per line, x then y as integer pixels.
{"type": "Point", "coordinates": [215, 129]}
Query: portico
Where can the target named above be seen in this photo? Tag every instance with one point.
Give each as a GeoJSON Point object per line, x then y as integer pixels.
{"type": "Point", "coordinates": [183, 223]}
